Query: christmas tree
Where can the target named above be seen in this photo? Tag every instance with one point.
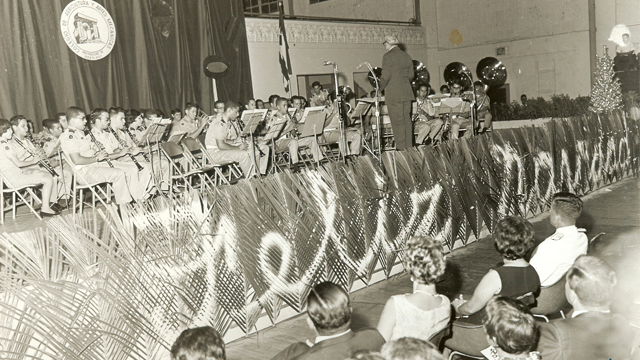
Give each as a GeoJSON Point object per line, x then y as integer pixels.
{"type": "Point", "coordinates": [606, 94]}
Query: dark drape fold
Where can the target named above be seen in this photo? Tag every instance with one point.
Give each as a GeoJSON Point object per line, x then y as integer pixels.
{"type": "Point", "coordinates": [156, 61]}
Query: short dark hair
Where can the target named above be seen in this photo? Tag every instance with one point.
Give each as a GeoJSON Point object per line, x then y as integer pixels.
{"type": "Point", "coordinates": [231, 105]}
{"type": "Point", "coordinates": [273, 98]}
{"type": "Point", "coordinates": [149, 112]}
{"type": "Point", "coordinates": [218, 102]}
{"type": "Point", "coordinates": [48, 123]}
{"type": "Point", "coordinates": [444, 87]}
{"type": "Point", "coordinates": [4, 126]}
{"type": "Point", "coordinates": [316, 83]}
{"type": "Point", "coordinates": [115, 110]}
{"type": "Point", "coordinates": [592, 280]}
{"type": "Point", "coordinates": [15, 120]}
{"type": "Point", "coordinates": [189, 105]}
{"type": "Point", "coordinates": [366, 355]}
{"type": "Point", "coordinates": [73, 111]}
{"type": "Point", "coordinates": [198, 344]}
{"type": "Point", "coordinates": [328, 306]}
{"type": "Point", "coordinates": [513, 237]}
{"type": "Point", "coordinates": [95, 114]}
{"type": "Point", "coordinates": [408, 348]}
{"type": "Point", "coordinates": [176, 111]}
{"type": "Point", "coordinates": [130, 116]}
{"type": "Point", "coordinates": [59, 116]}
{"type": "Point", "coordinates": [511, 325]}
{"type": "Point", "coordinates": [280, 100]}
{"type": "Point", "coordinates": [424, 259]}
{"type": "Point", "coordinates": [567, 205]}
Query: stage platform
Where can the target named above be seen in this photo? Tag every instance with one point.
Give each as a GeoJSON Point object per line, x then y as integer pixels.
{"type": "Point", "coordinates": [614, 210]}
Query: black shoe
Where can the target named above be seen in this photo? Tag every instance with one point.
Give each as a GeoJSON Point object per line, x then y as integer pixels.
{"type": "Point", "coordinates": [46, 214]}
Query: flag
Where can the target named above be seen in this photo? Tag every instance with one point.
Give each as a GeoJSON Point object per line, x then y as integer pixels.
{"type": "Point", "coordinates": [285, 61]}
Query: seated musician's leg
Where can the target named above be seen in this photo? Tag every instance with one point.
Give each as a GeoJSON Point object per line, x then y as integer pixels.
{"type": "Point", "coordinates": [487, 122]}
{"type": "Point", "coordinates": [466, 124]}
{"type": "Point", "coordinates": [312, 144]}
{"type": "Point", "coordinates": [137, 188]}
{"type": "Point", "coordinates": [243, 158]}
{"type": "Point", "coordinates": [292, 145]}
{"type": "Point", "coordinates": [422, 128]}
{"type": "Point", "coordinates": [354, 137]}
{"type": "Point", "coordinates": [34, 175]}
{"type": "Point", "coordinates": [455, 129]}
{"type": "Point", "coordinates": [264, 159]}
{"type": "Point", "coordinates": [332, 137]}
{"type": "Point", "coordinates": [103, 173]}
{"type": "Point", "coordinates": [436, 126]}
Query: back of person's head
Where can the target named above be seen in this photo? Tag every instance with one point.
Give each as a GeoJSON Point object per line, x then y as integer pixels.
{"type": "Point", "coordinates": [513, 237]}
{"type": "Point", "coordinates": [592, 280]}
{"type": "Point", "coordinates": [329, 308]}
{"type": "Point", "coordinates": [567, 205]}
{"type": "Point", "coordinates": [48, 123]}
{"type": "Point", "coordinates": [424, 259]}
{"type": "Point", "coordinates": [202, 343]}
{"type": "Point", "coordinates": [410, 349]}
{"type": "Point", "coordinates": [510, 325]}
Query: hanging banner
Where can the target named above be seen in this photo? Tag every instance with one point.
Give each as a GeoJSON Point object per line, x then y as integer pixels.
{"type": "Point", "coordinates": [88, 29]}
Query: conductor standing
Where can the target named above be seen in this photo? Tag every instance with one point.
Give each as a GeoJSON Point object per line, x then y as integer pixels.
{"type": "Point", "coordinates": [397, 72]}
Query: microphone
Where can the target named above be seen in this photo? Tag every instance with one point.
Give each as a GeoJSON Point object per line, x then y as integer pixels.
{"type": "Point", "coordinates": [362, 64]}
{"type": "Point", "coordinates": [329, 62]}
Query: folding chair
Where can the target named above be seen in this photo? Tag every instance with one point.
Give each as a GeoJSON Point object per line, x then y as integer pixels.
{"type": "Point", "coordinates": [99, 190]}
{"type": "Point", "coordinates": [233, 172]}
{"type": "Point", "coordinates": [179, 165]}
{"type": "Point", "coordinates": [197, 165]}
{"type": "Point", "coordinates": [20, 192]}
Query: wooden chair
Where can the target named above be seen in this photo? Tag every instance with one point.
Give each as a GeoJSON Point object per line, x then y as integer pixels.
{"type": "Point", "coordinates": [99, 190]}
{"type": "Point", "coordinates": [21, 193]}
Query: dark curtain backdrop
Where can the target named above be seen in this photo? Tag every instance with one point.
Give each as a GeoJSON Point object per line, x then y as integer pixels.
{"type": "Point", "coordinates": [156, 61]}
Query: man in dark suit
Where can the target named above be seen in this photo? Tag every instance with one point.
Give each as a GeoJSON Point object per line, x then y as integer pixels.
{"type": "Point", "coordinates": [329, 310]}
{"type": "Point", "coordinates": [397, 72]}
{"type": "Point", "coordinates": [592, 332]}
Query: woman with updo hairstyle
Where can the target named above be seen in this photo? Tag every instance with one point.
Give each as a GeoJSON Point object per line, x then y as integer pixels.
{"type": "Point", "coordinates": [423, 312]}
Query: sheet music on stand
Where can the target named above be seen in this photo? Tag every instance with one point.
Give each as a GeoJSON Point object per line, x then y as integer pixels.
{"type": "Point", "coordinates": [362, 108]}
{"type": "Point", "coordinates": [312, 122]}
{"type": "Point", "coordinates": [155, 131]}
{"type": "Point", "coordinates": [274, 130]}
{"type": "Point", "coordinates": [251, 120]}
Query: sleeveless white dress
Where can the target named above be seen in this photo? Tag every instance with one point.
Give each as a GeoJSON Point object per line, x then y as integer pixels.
{"type": "Point", "coordinates": [412, 321]}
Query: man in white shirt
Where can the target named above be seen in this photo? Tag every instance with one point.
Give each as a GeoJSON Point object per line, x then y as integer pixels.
{"type": "Point", "coordinates": [555, 255]}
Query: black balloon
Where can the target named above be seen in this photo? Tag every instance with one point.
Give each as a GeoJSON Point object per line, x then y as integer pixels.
{"type": "Point", "coordinates": [491, 71]}
{"type": "Point", "coordinates": [378, 72]}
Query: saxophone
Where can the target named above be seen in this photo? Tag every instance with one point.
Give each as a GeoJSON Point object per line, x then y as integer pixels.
{"type": "Point", "coordinates": [99, 145]}
{"type": "Point", "coordinates": [123, 145]}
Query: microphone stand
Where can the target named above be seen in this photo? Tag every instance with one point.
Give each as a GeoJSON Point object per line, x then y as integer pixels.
{"type": "Point", "coordinates": [377, 112]}
{"type": "Point", "coordinates": [343, 145]}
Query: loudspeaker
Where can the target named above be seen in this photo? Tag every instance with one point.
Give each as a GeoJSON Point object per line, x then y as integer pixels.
{"type": "Point", "coordinates": [215, 66]}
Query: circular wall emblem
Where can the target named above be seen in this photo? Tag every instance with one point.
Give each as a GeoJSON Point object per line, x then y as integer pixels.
{"type": "Point", "coordinates": [88, 29]}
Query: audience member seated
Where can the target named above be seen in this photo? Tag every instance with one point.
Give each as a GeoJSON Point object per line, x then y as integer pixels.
{"type": "Point", "coordinates": [555, 255]}
{"type": "Point", "coordinates": [408, 348]}
{"type": "Point", "coordinates": [513, 238]}
{"type": "Point", "coordinates": [511, 330]}
{"type": "Point", "coordinates": [329, 310]}
{"type": "Point", "coordinates": [591, 332]}
{"type": "Point", "coordinates": [202, 343]}
{"type": "Point", "coordinates": [424, 312]}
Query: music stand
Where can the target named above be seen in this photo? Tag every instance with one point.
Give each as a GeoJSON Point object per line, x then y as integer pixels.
{"type": "Point", "coordinates": [312, 124]}
{"type": "Point", "coordinates": [251, 120]}
{"type": "Point", "coordinates": [153, 135]}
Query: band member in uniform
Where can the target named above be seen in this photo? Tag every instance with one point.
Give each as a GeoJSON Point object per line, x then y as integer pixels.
{"type": "Point", "coordinates": [397, 72]}
{"type": "Point", "coordinates": [53, 131]}
{"type": "Point", "coordinates": [298, 103]}
{"type": "Point", "coordinates": [25, 172]}
{"type": "Point", "coordinates": [462, 120]}
{"type": "Point", "coordinates": [224, 150]}
{"type": "Point", "coordinates": [138, 177]}
{"type": "Point", "coordinates": [218, 107]}
{"type": "Point", "coordinates": [62, 119]}
{"type": "Point", "coordinates": [89, 162]}
{"type": "Point", "coordinates": [189, 124]}
{"type": "Point", "coordinates": [427, 127]}
{"type": "Point", "coordinates": [259, 104]}
{"type": "Point", "coordinates": [331, 133]}
{"type": "Point", "coordinates": [483, 108]}
{"type": "Point", "coordinates": [251, 105]}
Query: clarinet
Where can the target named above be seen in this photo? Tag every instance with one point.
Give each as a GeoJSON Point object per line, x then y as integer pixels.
{"type": "Point", "coordinates": [123, 144]}
{"type": "Point", "coordinates": [42, 161]}
{"type": "Point", "coordinates": [135, 141]}
{"type": "Point", "coordinates": [36, 145]}
{"type": "Point", "coordinates": [99, 146]}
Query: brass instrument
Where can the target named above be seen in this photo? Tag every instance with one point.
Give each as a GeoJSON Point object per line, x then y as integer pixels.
{"type": "Point", "coordinates": [42, 160]}
{"type": "Point", "coordinates": [135, 141]}
{"type": "Point", "coordinates": [123, 144]}
{"type": "Point", "coordinates": [99, 145]}
{"type": "Point", "coordinates": [202, 116]}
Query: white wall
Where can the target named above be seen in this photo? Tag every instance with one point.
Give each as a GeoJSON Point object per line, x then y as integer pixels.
{"type": "Point", "coordinates": [390, 10]}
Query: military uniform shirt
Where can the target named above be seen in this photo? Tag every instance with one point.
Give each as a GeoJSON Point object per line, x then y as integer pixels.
{"type": "Point", "coordinates": [556, 254]}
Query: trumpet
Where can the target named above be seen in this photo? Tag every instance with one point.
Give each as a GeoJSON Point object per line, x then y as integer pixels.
{"type": "Point", "coordinates": [123, 145]}
{"type": "Point", "coordinates": [42, 160]}
{"type": "Point", "coordinates": [99, 145]}
{"type": "Point", "coordinates": [202, 116]}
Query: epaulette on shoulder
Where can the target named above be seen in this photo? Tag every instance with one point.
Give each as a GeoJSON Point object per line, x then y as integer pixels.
{"type": "Point", "coordinates": [556, 236]}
